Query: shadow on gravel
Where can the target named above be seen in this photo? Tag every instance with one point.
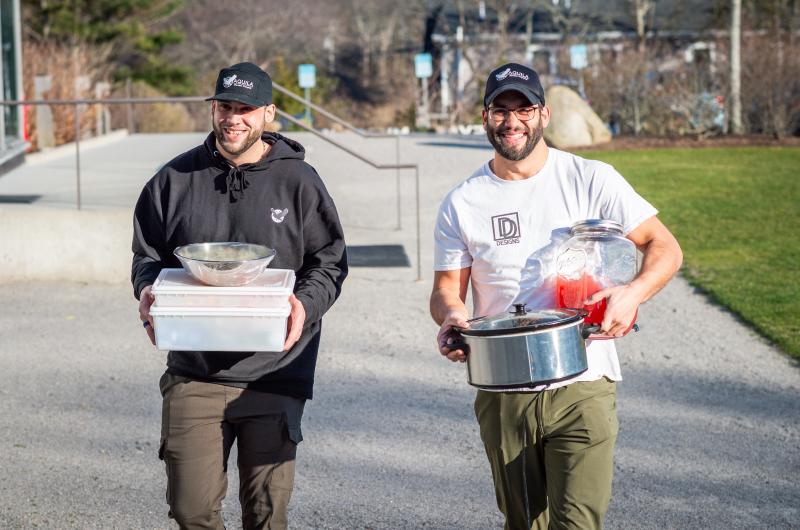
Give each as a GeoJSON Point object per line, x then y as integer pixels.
{"type": "Point", "coordinates": [695, 446]}
{"type": "Point", "coordinates": [656, 500]}
{"type": "Point", "coordinates": [392, 407]}
{"type": "Point", "coordinates": [715, 395]}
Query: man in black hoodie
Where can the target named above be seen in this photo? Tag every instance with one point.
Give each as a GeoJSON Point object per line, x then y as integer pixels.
{"type": "Point", "coordinates": [242, 184]}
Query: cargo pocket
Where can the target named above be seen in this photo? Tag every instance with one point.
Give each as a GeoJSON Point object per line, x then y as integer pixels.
{"type": "Point", "coordinates": [162, 450]}
{"type": "Point", "coordinates": [264, 435]}
{"type": "Point", "coordinates": [295, 434]}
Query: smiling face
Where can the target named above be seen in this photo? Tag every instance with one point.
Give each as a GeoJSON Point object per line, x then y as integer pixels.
{"type": "Point", "coordinates": [513, 139]}
{"type": "Point", "coordinates": [238, 126]}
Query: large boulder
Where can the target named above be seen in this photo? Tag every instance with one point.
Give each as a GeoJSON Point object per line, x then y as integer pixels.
{"type": "Point", "coordinates": [573, 123]}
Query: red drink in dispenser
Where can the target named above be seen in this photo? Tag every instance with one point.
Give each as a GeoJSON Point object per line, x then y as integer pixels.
{"type": "Point", "coordinates": [572, 293]}
{"type": "Point", "coordinates": [596, 256]}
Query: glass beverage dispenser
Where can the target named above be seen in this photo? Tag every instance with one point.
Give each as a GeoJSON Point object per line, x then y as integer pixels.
{"type": "Point", "coordinates": [595, 257]}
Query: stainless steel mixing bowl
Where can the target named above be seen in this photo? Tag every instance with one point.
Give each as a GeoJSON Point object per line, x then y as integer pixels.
{"type": "Point", "coordinates": [224, 264]}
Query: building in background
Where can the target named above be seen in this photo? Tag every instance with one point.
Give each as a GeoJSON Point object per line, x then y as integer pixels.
{"type": "Point", "coordinates": [12, 117]}
{"type": "Point", "coordinates": [580, 43]}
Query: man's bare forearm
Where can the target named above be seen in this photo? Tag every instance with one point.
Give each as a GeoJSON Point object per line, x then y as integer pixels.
{"type": "Point", "coordinates": [662, 260]}
{"type": "Point", "coordinates": [445, 302]}
{"type": "Point", "coordinates": [449, 293]}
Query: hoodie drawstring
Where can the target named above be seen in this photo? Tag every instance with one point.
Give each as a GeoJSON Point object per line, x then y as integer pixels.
{"type": "Point", "coordinates": [237, 183]}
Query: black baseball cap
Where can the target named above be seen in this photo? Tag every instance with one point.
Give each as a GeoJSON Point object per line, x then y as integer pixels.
{"type": "Point", "coordinates": [514, 76]}
{"type": "Point", "coordinates": [245, 83]}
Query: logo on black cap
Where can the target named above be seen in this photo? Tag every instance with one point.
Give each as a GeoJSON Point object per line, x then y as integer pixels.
{"type": "Point", "coordinates": [245, 83]}
{"type": "Point", "coordinates": [508, 72]}
{"type": "Point", "coordinates": [228, 82]}
{"type": "Point", "coordinates": [517, 77]}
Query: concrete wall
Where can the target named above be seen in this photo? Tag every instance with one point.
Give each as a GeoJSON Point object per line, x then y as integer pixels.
{"type": "Point", "coordinates": [46, 244]}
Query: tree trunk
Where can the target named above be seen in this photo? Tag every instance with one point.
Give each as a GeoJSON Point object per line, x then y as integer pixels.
{"type": "Point", "coordinates": [641, 9]}
{"type": "Point", "coordinates": [736, 67]}
{"type": "Point", "coordinates": [779, 110]}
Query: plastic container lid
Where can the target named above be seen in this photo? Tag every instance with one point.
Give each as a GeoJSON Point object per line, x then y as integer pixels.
{"type": "Point", "coordinates": [220, 311]}
{"type": "Point", "coordinates": [269, 282]}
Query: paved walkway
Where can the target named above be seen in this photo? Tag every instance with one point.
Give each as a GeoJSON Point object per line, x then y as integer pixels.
{"type": "Point", "coordinates": [710, 423]}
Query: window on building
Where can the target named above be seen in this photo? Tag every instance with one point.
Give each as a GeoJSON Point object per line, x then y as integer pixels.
{"type": "Point", "coordinates": [8, 60]}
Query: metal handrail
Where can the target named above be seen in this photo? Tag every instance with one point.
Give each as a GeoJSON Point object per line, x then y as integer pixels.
{"type": "Point", "coordinates": [376, 165]}
{"type": "Point", "coordinates": [329, 115]}
{"type": "Point", "coordinates": [194, 99]}
{"type": "Point", "coordinates": [349, 126]}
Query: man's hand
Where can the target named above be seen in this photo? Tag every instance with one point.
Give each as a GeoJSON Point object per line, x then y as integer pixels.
{"type": "Point", "coordinates": [146, 299]}
{"type": "Point", "coordinates": [622, 303]}
{"type": "Point", "coordinates": [297, 318]}
{"type": "Point", "coordinates": [447, 336]}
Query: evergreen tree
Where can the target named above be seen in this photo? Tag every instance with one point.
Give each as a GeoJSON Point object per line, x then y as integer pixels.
{"type": "Point", "coordinates": [134, 28]}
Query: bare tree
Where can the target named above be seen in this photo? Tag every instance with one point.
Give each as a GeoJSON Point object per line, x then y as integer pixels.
{"type": "Point", "coordinates": [641, 8]}
{"type": "Point", "coordinates": [771, 68]}
{"type": "Point", "coordinates": [259, 31]}
{"type": "Point", "coordinates": [380, 27]}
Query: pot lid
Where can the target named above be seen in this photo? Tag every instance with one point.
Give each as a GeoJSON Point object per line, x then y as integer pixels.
{"type": "Point", "coordinates": [518, 320]}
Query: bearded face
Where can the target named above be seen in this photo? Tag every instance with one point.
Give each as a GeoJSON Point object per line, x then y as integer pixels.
{"type": "Point", "coordinates": [237, 127]}
{"type": "Point", "coordinates": [514, 139]}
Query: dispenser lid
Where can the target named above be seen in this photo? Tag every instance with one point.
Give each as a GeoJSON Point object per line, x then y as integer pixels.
{"type": "Point", "coordinates": [595, 225]}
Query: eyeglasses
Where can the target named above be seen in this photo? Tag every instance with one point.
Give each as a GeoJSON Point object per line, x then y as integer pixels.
{"type": "Point", "coordinates": [499, 114]}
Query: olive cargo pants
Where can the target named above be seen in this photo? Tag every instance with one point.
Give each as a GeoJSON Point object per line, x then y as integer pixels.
{"type": "Point", "coordinates": [199, 424]}
{"type": "Point", "coordinates": [551, 453]}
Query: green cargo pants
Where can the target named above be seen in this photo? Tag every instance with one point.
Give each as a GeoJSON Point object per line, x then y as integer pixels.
{"type": "Point", "coordinates": [199, 424]}
{"type": "Point", "coordinates": [551, 453]}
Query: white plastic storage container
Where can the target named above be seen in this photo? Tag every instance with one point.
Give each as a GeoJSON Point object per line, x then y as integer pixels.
{"type": "Point", "coordinates": [220, 328]}
{"type": "Point", "coordinates": [175, 288]}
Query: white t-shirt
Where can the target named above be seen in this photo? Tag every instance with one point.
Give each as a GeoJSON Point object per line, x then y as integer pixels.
{"type": "Point", "coordinates": [508, 232]}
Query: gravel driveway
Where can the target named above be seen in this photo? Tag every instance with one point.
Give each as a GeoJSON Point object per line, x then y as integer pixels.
{"type": "Point", "coordinates": [710, 422]}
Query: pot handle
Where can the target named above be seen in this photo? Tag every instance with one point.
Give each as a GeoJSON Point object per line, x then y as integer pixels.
{"type": "Point", "coordinates": [459, 343]}
{"type": "Point", "coordinates": [587, 331]}
{"type": "Point", "coordinates": [594, 328]}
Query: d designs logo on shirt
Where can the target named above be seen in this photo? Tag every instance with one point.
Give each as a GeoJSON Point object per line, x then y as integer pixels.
{"type": "Point", "coordinates": [278, 215]}
{"type": "Point", "coordinates": [506, 228]}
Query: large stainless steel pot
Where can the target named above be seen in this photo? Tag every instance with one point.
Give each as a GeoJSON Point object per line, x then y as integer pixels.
{"type": "Point", "coordinates": [526, 348]}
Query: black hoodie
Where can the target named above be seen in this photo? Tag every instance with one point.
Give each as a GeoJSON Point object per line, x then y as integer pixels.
{"type": "Point", "coordinates": [279, 202]}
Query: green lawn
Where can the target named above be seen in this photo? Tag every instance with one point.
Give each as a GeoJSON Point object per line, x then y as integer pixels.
{"type": "Point", "coordinates": [736, 214]}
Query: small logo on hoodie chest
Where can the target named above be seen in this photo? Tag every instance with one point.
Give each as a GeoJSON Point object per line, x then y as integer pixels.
{"type": "Point", "coordinates": [279, 215]}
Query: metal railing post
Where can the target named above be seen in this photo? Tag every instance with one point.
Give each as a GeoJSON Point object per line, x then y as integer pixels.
{"type": "Point", "coordinates": [78, 154]}
{"type": "Point", "coordinates": [129, 94]}
{"type": "Point", "coordinates": [419, 248]}
{"type": "Point", "coordinates": [397, 178]}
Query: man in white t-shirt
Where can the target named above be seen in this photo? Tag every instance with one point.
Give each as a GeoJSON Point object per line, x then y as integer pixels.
{"type": "Point", "coordinates": [550, 446]}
